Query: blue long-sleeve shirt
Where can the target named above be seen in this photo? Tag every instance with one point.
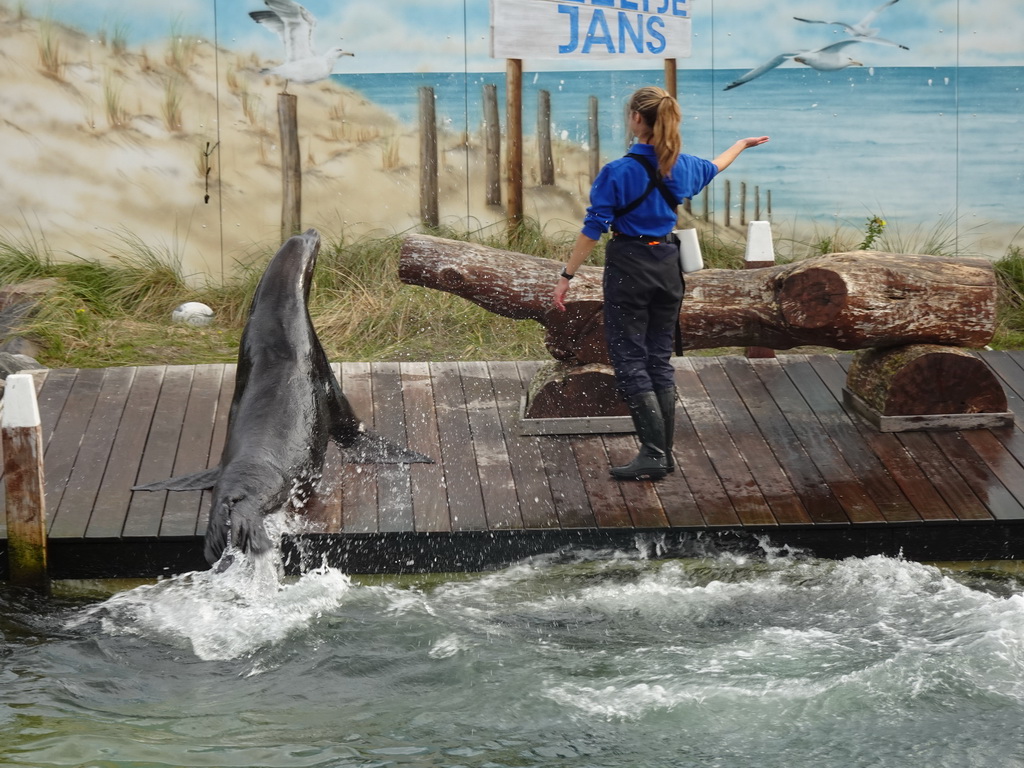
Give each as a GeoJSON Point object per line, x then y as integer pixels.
{"type": "Point", "coordinates": [623, 180]}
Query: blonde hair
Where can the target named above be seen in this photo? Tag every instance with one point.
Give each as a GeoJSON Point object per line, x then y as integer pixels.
{"type": "Point", "coordinates": [661, 113]}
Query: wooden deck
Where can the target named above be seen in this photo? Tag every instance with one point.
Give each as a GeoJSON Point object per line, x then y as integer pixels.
{"type": "Point", "coordinates": [767, 454]}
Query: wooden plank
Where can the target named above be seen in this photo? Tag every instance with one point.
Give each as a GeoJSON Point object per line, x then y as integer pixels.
{"type": "Point", "coordinates": [217, 441]}
{"type": "Point", "coordinates": [603, 492]}
{"type": "Point", "coordinates": [732, 466]}
{"type": "Point", "coordinates": [429, 500]}
{"type": "Point", "coordinates": [63, 449]}
{"type": "Point", "coordinates": [839, 426]}
{"type": "Point", "coordinates": [182, 510]}
{"type": "Point", "coordinates": [815, 494]}
{"type": "Point", "coordinates": [465, 498]}
{"type": "Point", "coordinates": [641, 498]}
{"type": "Point", "coordinates": [900, 463]}
{"type": "Point", "coordinates": [394, 488]}
{"type": "Point", "coordinates": [359, 481]}
{"type": "Point", "coordinates": [114, 494]}
{"type": "Point", "coordinates": [783, 500]}
{"type": "Point", "coordinates": [79, 500]}
{"type": "Point", "coordinates": [52, 396]}
{"type": "Point", "coordinates": [1003, 466]}
{"type": "Point", "coordinates": [497, 485]}
{"type": "Point", "coordinates": [527, 464]}
{"type": "Point", "coordinates": [996, 499]}
{"type": "Point", "coordinates": [713, 501]}
{"type": "Point", "coordinates": [146, 507]}
{"type": "Point", "coordinates": [1007, 368]}
{"type": "Point", "coordinates": [857, 503]}
{"type": "Point", "coordinates": [568, 493]}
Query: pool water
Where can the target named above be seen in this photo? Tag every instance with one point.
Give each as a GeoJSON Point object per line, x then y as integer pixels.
{"type": "Point", "coordinates": [600, 659]}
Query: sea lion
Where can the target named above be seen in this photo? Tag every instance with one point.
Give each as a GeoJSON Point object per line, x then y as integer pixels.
{"type": "Point", "coordinates": [287, 404]}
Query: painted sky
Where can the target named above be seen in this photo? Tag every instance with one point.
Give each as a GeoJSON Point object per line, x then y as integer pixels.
{"type": "Point", "coordinates": [453, 35]}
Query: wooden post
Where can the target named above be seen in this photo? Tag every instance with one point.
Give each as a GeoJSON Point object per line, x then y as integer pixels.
{"type": "Point", "coordinates": [291, 165]}
{"type": "Point", "coordinates": [706, 195]}
{"type": "Point", "coordinates": [769, 203]}
{"type": "Point", "coordinates": [595, 139]}
{"type": "Point", "coordinates": [514, 137]}
{"type": "Point", "coordinates": [728, 203]}
{"type": "Point", "coordinates": [492, 145]}
{"type": "Point", "coordinates": [670, 77]}
{"type": "Point", "coordinates": [428, 159]}
{"type": "Point", "coordinates": [757, 203]}
{"type": "Point", "coordinates": [546, 159]}
{"type": "Point", "coordinates": [23, 481]}
{"type": "Point", "coordinates": [760, 252]}
{"type": "Point", "coordinates": [743, 203]}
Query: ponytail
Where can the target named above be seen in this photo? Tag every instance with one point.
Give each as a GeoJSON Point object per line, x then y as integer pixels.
{"type": "Point", "coordinates": [661, 113]}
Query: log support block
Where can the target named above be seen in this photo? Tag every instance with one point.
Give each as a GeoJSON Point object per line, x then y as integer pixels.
{"type": "Point", "coordinates": [925, 386]}
{"type": "Point", "coordinates": [571, 399]}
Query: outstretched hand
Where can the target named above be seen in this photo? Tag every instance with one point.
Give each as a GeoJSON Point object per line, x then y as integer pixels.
{"type": "Point", "coordinates": [753, 141]}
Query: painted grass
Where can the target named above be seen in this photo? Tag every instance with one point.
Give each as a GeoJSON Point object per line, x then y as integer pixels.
{"type": "Point", "coordinates": [117, 312]}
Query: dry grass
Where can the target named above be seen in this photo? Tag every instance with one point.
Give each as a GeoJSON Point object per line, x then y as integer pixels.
{"type": "Point", "coordinates": [51, 56]}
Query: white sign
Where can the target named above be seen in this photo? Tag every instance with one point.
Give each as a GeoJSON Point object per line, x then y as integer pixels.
{"type": "Point", "coordinates": [606, 29]}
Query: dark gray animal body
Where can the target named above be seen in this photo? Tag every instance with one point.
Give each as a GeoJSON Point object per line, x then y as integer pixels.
{"type": "Point", "coordinates": [286, 406]}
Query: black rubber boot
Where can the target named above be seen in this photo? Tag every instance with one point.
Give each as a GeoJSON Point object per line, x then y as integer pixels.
{"type": "Point", "coordinates": [649, 464]}
{"type": "Point", "coordinates": [667, 401]}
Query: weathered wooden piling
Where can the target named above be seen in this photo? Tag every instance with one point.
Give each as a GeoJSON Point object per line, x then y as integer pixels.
{"type": "Point", "coordinates": [546, 157]}
{"type": "Point", "coordinates": [492, 145]}
{"type": "Point", "coordinates": [429, 210]}
{"type": "Point", "coordinates": [22, 438]}
{"type": "Point", "coordinates": [291, 165]}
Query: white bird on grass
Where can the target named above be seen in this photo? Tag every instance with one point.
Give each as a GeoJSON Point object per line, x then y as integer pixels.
{"type": "Point", "coordinates": [863, 28]}
{"type": "Point", "coordinates": [295, 25]}
{"type": "Point", "coordinates": [826, 58]}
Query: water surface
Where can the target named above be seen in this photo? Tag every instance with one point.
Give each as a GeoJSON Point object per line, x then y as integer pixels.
{"type": "Point", "coordinates": [607, 660]}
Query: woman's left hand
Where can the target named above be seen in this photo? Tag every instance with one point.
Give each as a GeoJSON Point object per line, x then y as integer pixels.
{"type": "Point", "coordinates": [561, 288]}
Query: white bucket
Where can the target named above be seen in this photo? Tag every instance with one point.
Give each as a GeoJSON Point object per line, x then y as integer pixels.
{"type": "Point", "coordinates": [689, 250]}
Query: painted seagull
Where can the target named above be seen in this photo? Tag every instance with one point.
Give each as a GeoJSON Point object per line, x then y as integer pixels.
{"type": "Point", "coordinates": [862, 29]}
{"type": "Point", "coordinates": [294, 25]}
{"type": "Point", "coordinates": [826, 58]}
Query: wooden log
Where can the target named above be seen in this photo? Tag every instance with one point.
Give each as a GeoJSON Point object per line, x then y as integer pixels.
{"type": "Point", "coordinates": [291, 165]}
{"type": "Point", "coordinates": [925, 379]}
{"type": "Point", "coordinates": [22, 440]}
{"type": "Point", "coordinates": [857, 300]}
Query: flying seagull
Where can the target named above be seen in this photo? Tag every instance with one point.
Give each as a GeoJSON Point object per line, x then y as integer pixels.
{"type": "Point", "coordinates": [294, 25]}
{"type": "Point", "coordinates": [863, 28]}
{"type": "Point", "coordinates": [829, 57]}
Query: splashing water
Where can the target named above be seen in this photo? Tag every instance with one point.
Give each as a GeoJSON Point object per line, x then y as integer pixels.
{"type": "Point", "coordinates": [583, 662]}
{"type": "Point", "coordinates": [232, 610]}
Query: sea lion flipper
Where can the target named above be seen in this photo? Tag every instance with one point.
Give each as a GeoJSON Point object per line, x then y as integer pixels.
{"type": "Point", "coordinates": [370, 448]}
{"type": "Point", "coordinates": [197, 481]}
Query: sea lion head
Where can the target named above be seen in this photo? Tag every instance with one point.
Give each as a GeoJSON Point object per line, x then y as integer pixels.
{"type": "Point", "coordinates": [289, 275]}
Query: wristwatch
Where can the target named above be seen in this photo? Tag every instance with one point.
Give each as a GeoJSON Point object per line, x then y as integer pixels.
{"type": "Point", "coordinates": [567, 276]}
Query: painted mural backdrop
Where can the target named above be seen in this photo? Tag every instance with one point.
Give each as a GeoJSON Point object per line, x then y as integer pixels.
{"type": "Point", "coordinates": [155, 124]}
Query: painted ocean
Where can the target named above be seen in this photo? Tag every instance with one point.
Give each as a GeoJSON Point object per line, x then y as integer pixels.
{"type": "Point", "coordinates": [918, 146]}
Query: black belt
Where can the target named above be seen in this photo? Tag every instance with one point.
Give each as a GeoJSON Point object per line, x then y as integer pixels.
{"type": "Point", "coordinates": [650, 239]}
